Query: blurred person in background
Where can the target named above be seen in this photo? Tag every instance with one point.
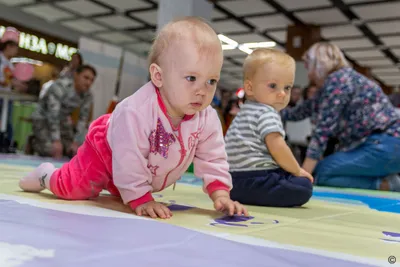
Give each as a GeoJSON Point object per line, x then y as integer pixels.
{"type": "Point", "coordinates": [74, 64]}
{"type": "Point", "coordinates": [354, 110]}
{"type": "Point", "coordinates": [295, 96]}
{"type": "Point", "coordinates": [51, 122]}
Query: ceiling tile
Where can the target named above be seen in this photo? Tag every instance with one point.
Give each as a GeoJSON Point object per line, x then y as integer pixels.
{"type": "Point", "coordinates": [365, 54]}
{"type": "Point", "coordinates": [249, 38]}
{"type": "Point", "coordinates": [270, 22]}
{"type": "Point", "coordinates": [355, 43]}
{"type": "Point", "coordinates": [16, 2]}
{"type": "Point", "coordinates": [245, 7]}
{"type": "Point", "coordinates": [115, 37]}
{"type": "Point", "coordinates": [83, 25]}
{"type": "Point", "coordinates": [290, 4]}
{"type": "Point", "coordinates": [325, 16]}
{"type": "Point", "coordinates": [233, 52]}
{"type": "Point", "coordinates": [146, 35]}
{"type": "Point", "coordinates": [123, 5]}
{"type": "Point", "coordinates": [228, 26]}
{"type": "Point", "coordinates": [385, 27]}
{"type": "Point", "coordinates": [148, 16]}
{"type": "Point", "coordinates": [373, 63]}
{"type": "Point", "coordinates": [385, 70]}
{"type": "Point", "coordinates": [357, 1]}
{"type": "Point", "coordinates": [279, 35]}
{"type": "Point", "coordinates": [139, 47]}
{"type": "Point", "coordinates": [374, 11]}
{"type": "Point", "coordinates": [385, 76]}
{"type": "Point", "coordinates": [84, 8]}
{"type": "Point", "coordinates": [396, 51]}
{"type": "Point", "coordinates": [217, 14]}
{"type": "Point", "coordinates": [391, 41]}
{"type": "Point", "coordinates": [119, 22]}
{"type": "Point", "coordinates": [48, 12]}
{"type": "Point", "coordinates": [340, 31]}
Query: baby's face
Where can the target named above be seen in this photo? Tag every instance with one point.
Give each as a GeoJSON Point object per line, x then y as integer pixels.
{"type": "Point", "coordinates": [190, 76]}
{"type": "Point", "coordinates": [272, 85]}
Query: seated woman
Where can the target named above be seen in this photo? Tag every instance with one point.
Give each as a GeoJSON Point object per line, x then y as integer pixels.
{"type": "Point", "coordinates": [355, 111]}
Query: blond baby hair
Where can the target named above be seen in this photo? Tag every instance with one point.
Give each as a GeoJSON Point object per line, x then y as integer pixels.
{"type": "Point", "coordinates": [262, 56]}
{"type": "Point", "coordinates": [185, 28]}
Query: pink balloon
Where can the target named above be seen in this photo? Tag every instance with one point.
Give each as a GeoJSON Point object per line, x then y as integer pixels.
{"type": "Point", "coordinates": [10, 34]}
{"type": "Point", "coordinates": [23, 71]}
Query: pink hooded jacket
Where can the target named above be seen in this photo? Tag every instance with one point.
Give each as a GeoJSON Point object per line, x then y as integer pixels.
{"type": "Point", "coordinates": [149, 154]}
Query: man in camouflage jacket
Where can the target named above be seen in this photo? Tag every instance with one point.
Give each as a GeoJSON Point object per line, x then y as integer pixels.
{"type": "Point", "coordinates": [53, 130]}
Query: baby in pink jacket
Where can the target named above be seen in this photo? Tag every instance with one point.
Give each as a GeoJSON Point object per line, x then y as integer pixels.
{"type": "Point", "coordinates": [152, 136]}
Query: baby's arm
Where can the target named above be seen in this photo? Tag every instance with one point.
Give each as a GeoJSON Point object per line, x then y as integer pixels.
{"type": "Point", "coordinates": [282, 154]}
{"type": "Point", "coordinates": [211, 164]}
{"type": "Point", "coordinates": [131, 176]}
{"type": "Point", "coordinates": [270, 128]}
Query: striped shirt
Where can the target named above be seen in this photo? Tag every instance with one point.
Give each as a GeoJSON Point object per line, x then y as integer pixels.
{"type": "Point", "coordinates": [245, 139]}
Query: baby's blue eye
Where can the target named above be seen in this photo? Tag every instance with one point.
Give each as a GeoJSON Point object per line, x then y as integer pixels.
{"type": "Point", "coordinates": [191, 78]}
{"type": "Point", "coordinates": [212, 81]}
{"type": "Point", "coordinates": [272, 85]}
{"type": "Point", "coordinates": [288, 88]}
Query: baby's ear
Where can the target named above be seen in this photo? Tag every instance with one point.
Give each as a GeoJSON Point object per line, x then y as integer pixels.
{"type": "Point", "coordinates": [248, 87]}
{"type": "Point", "coordinates": [156, 75]}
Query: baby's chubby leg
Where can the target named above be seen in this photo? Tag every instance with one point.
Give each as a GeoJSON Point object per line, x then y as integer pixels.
{"type": "Point", "coordinates": [38, 179]}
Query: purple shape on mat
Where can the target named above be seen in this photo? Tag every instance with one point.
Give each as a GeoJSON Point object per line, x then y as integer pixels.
{"type": "Point", "coordinates": [83, 240]}
{"type": "Point", "coordinates": [177, 207]}
{"type": "Point", "coordinates": [392, 234]}
{"type": "Point", "coordinates": [239, 221]}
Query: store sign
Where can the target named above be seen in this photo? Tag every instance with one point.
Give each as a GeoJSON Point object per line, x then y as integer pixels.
{"type": "Point", "coordinates": [41, 45]}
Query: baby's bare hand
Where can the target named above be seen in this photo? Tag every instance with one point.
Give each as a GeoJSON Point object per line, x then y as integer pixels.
{"type": "Point", "coordinates": [307, 175]}
{"type": "Point", "coordinates": [154, 210]}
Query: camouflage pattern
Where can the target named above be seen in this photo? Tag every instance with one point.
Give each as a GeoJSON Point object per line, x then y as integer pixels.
{"type": "Point", "coordinates": [43, 144]}
{"type": "Point", "coordinates": [51, 120]}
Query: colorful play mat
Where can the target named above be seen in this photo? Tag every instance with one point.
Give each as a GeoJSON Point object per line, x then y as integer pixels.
{"type": "Point", "coordinates": [336, 228]}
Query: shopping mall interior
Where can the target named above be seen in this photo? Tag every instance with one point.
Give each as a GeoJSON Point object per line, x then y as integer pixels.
{"type": "Point", "coordinates": [284, 151]}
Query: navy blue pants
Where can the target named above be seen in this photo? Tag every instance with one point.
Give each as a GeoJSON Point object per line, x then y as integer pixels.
{"type": "Point", "coordinates": [275, 188]}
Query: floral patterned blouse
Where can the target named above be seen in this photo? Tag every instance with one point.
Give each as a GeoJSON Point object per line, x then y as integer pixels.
{"type": "Point", "coordinates": [349, 107]}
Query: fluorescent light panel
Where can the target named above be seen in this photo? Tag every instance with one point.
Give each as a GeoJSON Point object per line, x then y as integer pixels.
{"type": "Point", "coordinates": [230, 44]}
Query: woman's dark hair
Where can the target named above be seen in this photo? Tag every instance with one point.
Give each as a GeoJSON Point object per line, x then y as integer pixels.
{"type": "Point", "coordinates": [4, 45]}
{"type": "Point", "coordinates": [80, 58]}
{"type": "Point", "coordinates": [86, 67]}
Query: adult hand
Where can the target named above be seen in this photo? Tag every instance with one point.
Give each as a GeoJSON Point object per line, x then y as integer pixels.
{"type": "Point", "coordinates": [74, 148]}
{"type": "Point", "coordinates": [57, 149]}
{"type": "Point", "coordinates": [309, 165]}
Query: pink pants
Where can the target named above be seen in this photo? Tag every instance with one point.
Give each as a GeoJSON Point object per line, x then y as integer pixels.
{"type": "Point", "coordinates": [90, 171]}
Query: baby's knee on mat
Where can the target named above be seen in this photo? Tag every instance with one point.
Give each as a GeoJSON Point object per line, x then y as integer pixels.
{"type": "Point", "coordinates": [299, 191]}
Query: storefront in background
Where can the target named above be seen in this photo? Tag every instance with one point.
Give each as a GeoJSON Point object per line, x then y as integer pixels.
{"type": "Point", "coordinates": [47, 53]}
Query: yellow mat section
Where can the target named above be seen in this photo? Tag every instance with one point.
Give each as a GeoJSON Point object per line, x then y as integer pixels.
{"type": "Point", "coordinates": [324, 225]}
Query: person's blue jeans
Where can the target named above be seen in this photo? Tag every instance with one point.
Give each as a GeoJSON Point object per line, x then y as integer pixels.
{"type": "Point", "coordinates": [363, 167]}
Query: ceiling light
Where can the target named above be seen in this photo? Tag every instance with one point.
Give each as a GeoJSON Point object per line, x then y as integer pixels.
{"type": "Point", "coordinates": [260, 45]}
{"type": "Point", "coordinates": [228, 47]}
{"type": "Point", "coordinates": [245, 49]}
{"type": "Point", "coordinates": [227, 40]}
{"type": "Point", "coordinates": [26, 60]}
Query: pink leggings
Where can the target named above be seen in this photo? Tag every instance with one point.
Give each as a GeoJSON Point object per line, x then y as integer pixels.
{"type": "Point", "coordinates": [90, 171]}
